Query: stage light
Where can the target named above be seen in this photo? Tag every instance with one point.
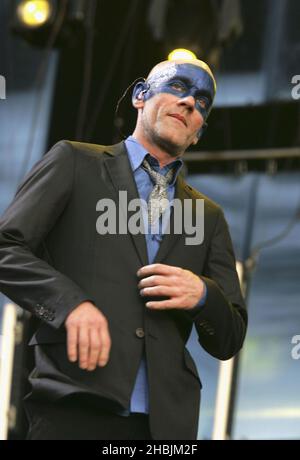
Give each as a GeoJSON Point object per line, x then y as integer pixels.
{"type": "Point", "coordinates": [181, 53]}
{"type": "Point", "coordinates": [34, 14]}
{"type": "Point", "coordinates": [58, 22]}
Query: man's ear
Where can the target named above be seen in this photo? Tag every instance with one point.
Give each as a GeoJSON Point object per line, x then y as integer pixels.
{"type": "Point", "coordinates": [138, 94]}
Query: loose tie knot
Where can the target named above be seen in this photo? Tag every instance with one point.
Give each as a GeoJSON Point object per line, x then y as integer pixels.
{"type": "Point", "coordinates": [158, 198]}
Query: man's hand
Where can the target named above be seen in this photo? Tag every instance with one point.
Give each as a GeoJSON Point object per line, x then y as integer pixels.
{"type": "Point", "coordinates": [183, 287]}
{"type": "Point", "coordinates": [88, 336]}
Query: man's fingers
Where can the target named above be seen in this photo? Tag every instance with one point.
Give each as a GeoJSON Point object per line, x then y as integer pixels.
{"type": "Point", "coordinates": [88, 338]}
{"type": "Point", "coordinates": [83, 347]}
{"type": "Point", "coordinates": [168, 291]}
{"type": "Point", "coordinates": [158, 269]}
{"type": "Point", "coordinates": [72, 342]}
{"type": "Point", "coordinates": [163, 304]}
{"type": "Point", "coordinates": [105, 345]}
{"type": "Point", "coordinates": [95, 347]}
{"type": "Point", "coordinates": [155, 280]}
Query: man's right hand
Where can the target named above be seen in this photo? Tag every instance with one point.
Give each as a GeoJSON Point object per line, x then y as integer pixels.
{"type": "Point", "coordinates": [88, 336]}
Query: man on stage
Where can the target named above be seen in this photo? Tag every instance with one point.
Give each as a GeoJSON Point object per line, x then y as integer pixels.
{"type": "Point", "coordinates": [116, 308]}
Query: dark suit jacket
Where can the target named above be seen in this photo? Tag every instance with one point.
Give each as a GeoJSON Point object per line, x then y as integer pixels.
{"type": "Point", "coordinates": [52, 259]}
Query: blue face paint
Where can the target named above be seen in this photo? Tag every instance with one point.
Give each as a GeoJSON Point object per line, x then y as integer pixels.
{"type": "Point", "coordinates": [183, 80]}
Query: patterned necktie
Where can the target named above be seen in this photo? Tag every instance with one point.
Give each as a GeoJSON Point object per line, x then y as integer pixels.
{"type": "Point", "coordinates": [158, 198]}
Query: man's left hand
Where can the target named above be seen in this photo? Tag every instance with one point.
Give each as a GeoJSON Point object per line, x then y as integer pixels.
{"type": "Point", "coordinates": [183, 287]}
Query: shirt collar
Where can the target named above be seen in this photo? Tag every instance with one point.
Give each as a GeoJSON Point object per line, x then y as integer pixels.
{"type": "Point", "coordinates": [137, 153]}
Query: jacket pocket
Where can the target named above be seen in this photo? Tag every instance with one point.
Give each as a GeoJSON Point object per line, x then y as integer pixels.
{"type": "Point", "coordinates": [47, 334]}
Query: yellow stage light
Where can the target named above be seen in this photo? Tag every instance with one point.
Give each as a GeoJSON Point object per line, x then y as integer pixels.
{"type": "Point", "coordinates": [34, 13]}
{"type": "Point", "coordinates": [181, 53]}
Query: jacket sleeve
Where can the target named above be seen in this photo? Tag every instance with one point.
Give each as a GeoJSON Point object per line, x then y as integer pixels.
{"type": "Point", "coordinates": [39, 201]}
{"type": "Point", "coordinates": [222, 322]}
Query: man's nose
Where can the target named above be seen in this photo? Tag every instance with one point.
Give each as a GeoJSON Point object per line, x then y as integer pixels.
{"type": "Point", "coordinates": [188, 101]}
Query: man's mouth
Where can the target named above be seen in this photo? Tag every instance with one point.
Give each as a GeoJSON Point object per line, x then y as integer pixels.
{"type": "Point", "coordinates": [179, 117]}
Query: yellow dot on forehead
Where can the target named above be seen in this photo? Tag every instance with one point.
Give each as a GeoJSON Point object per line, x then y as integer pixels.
{"type": "Point", "coordinates": [172, 64]}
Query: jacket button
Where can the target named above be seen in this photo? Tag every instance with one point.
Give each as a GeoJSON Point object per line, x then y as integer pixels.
{"type": "Point", "coordinates": [139, 332]}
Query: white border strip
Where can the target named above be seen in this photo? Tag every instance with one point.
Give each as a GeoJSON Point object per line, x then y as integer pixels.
{"type": "Point", "coordinates": [6, 365]}
{"type": "Point", "coordinates": [224, 389]}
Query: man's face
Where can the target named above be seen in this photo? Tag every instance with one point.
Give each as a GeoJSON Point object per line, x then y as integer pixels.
{"type": "Point", "coordinates": [177, 102]}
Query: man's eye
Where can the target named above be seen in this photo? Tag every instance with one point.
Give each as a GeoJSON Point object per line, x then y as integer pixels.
{"type": "Point", "coordinates": [202, 102]}
{"type": "Point", "coordinates": [178, 87]}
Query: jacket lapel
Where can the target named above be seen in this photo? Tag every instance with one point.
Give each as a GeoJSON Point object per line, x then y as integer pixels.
{"type": "Point", "coordinates": [121, 175]}
{"type": "Point", "coordinates": [169, 240]}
